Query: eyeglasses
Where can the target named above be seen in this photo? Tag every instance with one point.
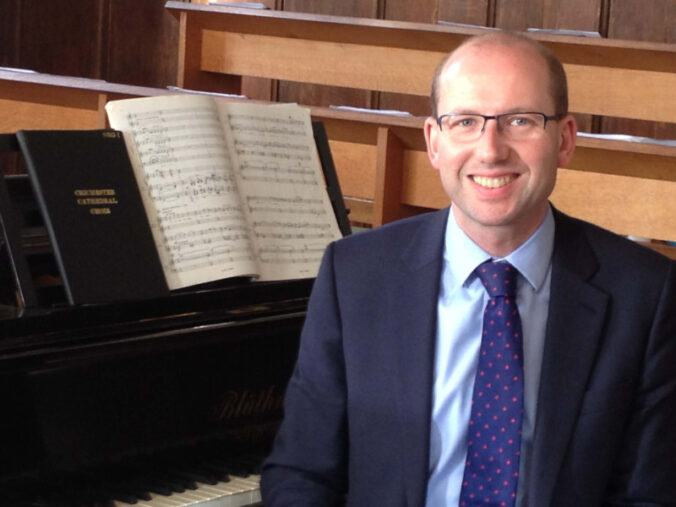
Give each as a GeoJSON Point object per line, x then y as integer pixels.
{"type": "Point", "coordinates": [516, 126]}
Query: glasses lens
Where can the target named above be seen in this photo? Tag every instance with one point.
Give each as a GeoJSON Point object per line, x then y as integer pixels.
{"type": "Point", "coordinates": [462, 127]}
{"type": "Point", "coordinates": [522, 125]}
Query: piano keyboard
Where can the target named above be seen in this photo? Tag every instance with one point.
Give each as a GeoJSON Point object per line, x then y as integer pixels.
{"type": "Point", "coordinates": [204, 479]}
{"type": "Point", "coordinates": [236, 492]}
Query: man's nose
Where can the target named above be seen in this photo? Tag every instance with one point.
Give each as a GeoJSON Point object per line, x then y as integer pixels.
{"type": "Point", "coordinates": [491, 146]}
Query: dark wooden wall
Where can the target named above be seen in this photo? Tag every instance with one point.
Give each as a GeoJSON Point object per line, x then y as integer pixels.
{"type": "Point", "coordinates": [124, 41]}
{"type": "Point", "coordinates": [135, 41]}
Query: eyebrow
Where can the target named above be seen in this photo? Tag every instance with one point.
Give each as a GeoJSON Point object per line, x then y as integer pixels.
{"type": "Point", "coordinates": [507, 111]}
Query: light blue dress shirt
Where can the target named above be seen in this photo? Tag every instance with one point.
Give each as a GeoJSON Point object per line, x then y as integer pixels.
{"type": "Point", "coordinates": [459, 322]}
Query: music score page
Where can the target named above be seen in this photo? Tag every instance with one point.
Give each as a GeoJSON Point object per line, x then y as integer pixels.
{"type": "Point", "coordinates": [230, 189]}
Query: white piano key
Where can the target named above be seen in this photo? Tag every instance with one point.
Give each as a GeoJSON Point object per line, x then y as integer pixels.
{"type": "Point", "coordinates": [158, 500]}
{"type": "Point", "coordinates": [237, 492]}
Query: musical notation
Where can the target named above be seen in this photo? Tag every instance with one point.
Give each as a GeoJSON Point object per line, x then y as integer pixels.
{"type": "Point", "coordinates": [190, 181]}
{"type": "Point", "coordinates": [292, 220]}
{"type": "Point", "coordinates": [231, 187]}
{"type": "Point", "coordinates": [285, 205]}
{"type": "Point", "coordinates": [223, 257]}
{"type": "Point", "coordinates": [264, 125]}
{"type": "Point", "coordinates": [291, 255]}
{"type": "Point", "coordinates": [274, 173]}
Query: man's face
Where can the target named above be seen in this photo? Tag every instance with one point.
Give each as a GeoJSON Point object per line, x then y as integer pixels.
{"type": "Point", "coordinates": [498, 184]}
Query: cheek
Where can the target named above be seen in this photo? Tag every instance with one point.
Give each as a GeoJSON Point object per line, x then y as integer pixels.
{"type": "Point", "coordinates": [543, 176]}
{"type": "Point", "coordinates": [542, 164]}
{"type": "Point", "coordinates": [451, 159]}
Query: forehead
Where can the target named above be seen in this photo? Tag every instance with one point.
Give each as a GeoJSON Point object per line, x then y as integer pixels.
{"type": "Point", "coordinates": [494, 78]}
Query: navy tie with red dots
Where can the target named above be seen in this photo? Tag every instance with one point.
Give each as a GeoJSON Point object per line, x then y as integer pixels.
{"type": "Point", "coordinates": [494, 438]}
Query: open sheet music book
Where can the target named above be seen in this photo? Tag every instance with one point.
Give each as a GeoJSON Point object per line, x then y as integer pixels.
{"type": "Point", "coordinates": [230, 188]}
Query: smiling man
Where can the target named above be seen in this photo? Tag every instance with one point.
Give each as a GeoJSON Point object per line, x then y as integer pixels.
{"type": "Point", "coordinates": [499, 170]}
{"type": "Point", "coordinates": [494, 353]}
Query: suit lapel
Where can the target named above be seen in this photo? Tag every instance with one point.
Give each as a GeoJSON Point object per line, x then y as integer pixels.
{"type": "Point", "coordinates": [574, 327]}
{"type": "Point", "coordinates": [413, 306]}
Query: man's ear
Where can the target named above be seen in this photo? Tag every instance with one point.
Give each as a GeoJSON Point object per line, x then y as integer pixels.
{"type": "Point", "coordinates": [431, 130]}
{"type": "Point", "coordinates": [567, 138]}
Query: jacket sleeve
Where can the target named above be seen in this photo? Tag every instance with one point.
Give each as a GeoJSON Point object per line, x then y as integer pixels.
{"type": "Point", "coordinates": [645, 471]}
{"type": "Point", "coordinates": [307, 465]}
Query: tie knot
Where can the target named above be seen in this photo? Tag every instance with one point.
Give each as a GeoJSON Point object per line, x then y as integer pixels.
{"type": "Point", "coordinates": [499, 278]}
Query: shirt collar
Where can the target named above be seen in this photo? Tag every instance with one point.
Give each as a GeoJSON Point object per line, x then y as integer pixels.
{"type": "Point", "coordinates": [532, 258]}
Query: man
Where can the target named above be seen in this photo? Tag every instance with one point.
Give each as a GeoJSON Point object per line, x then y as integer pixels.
{"type": "Point", "coordinates": [380, 404]}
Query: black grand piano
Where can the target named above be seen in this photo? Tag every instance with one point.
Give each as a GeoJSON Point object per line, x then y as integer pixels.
{"type": "Point", "coordinates": [130, 402]}
{"type": "Point", "coordinates": [167, 401]}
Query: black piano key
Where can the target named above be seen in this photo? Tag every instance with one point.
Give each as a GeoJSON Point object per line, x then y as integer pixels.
{"type": "Point", "coordinates": [118, 485]}
{"type": "Point", "coordinates": [102, 481]}
{"type": "Point", "coordinates": [232, 467]}
{"type": "Point", "coordinates": [125, 490]}
{"type": "Point", "coordinates": [168, 482]}
{"type": "Point", "coordinates": [154, 478]}
{"type": "Point", "coordinates": [198, 476]}
{"type": "Point", "coordinates": [216, 472]}
{"type": "Point", "coordinates": [186, 482]}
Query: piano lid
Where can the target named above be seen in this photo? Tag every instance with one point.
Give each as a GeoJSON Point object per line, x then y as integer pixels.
{"type": "Point", "coordinates": [96, 329]}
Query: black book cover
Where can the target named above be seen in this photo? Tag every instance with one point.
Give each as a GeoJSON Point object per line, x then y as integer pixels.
{"type": "Point", "coordinates": [87, 192]}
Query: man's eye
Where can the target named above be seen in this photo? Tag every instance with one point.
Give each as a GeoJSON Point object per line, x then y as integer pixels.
{"type": "Point", "coordinates": [464, 122]}
{"type": "Point", "coordinates": [520, 121]}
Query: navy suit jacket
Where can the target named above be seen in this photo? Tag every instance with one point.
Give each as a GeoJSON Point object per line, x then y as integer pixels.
{"type": "Point", "coordinates": [358, 406]}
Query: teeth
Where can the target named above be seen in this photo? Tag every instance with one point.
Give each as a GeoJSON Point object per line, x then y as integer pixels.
{"type": "Point", "coordinates": [492, 182]}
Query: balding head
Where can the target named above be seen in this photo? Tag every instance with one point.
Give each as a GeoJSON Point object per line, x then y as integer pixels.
{"type": "Point", "coordinates": [558, 87]}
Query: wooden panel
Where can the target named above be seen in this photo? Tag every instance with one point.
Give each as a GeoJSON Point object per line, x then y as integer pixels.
{"type": "Point", "coordinates": [572, 15]}
{"type": "Point", "coordinates": [650, 20]}
{"type": "Point", "coordinates": [625, 205]}
{"type": "Point", "coordinates": [354, 151]}
{"type": "Point", "coordinates": [360, 212]}
{"type": "Point", "coordinates": [270, 4]}
{"type": "Point", "coordinates": [328, 95]}
{"type": "Point", "coordinates": [355, 8]}
{"type": "Point", "coordinates": [560, 14]}
{"type": "Point", "coordinates": [355, 165]}
{"type": "Point", "coordinates": [422, 186]}
{"type": "Point", "coordinates": [256, 88]}
{"type": "Point", "coordinates": [389, 176]}
{"type": "Point", "coordinates": [62, 36]}
{"type": "Point", "coordinates": [41, 101]}
{"type": "Point", "coordinates": [318, 95]}
{"type": "Point", "coordinates": [189, 73]}
{"type": "Point", "coordinates": [622, 92]}
{"type": "Point", "coordinates": [416, 105]}
{"type": "Point", "coordinates": [422, 11]}
{"type": "Point", "coordinates": [471, 12]}
{"type": "Point", "coordinates": [9, 34]}
{"type": "Point", "coordinates": [519, 15]}
{"type": "Point", "coordinates": [328, 63]}
{"type": "Point", "coordinates": [23, 106]}
{"type": "Point", "coordinates": [143, 43]}
{"type": "Point", "coordinates": [625, 158]}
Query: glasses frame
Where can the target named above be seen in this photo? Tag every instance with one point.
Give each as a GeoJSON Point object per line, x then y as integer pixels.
{"type": "Point", "coordinates": [497, 117]}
